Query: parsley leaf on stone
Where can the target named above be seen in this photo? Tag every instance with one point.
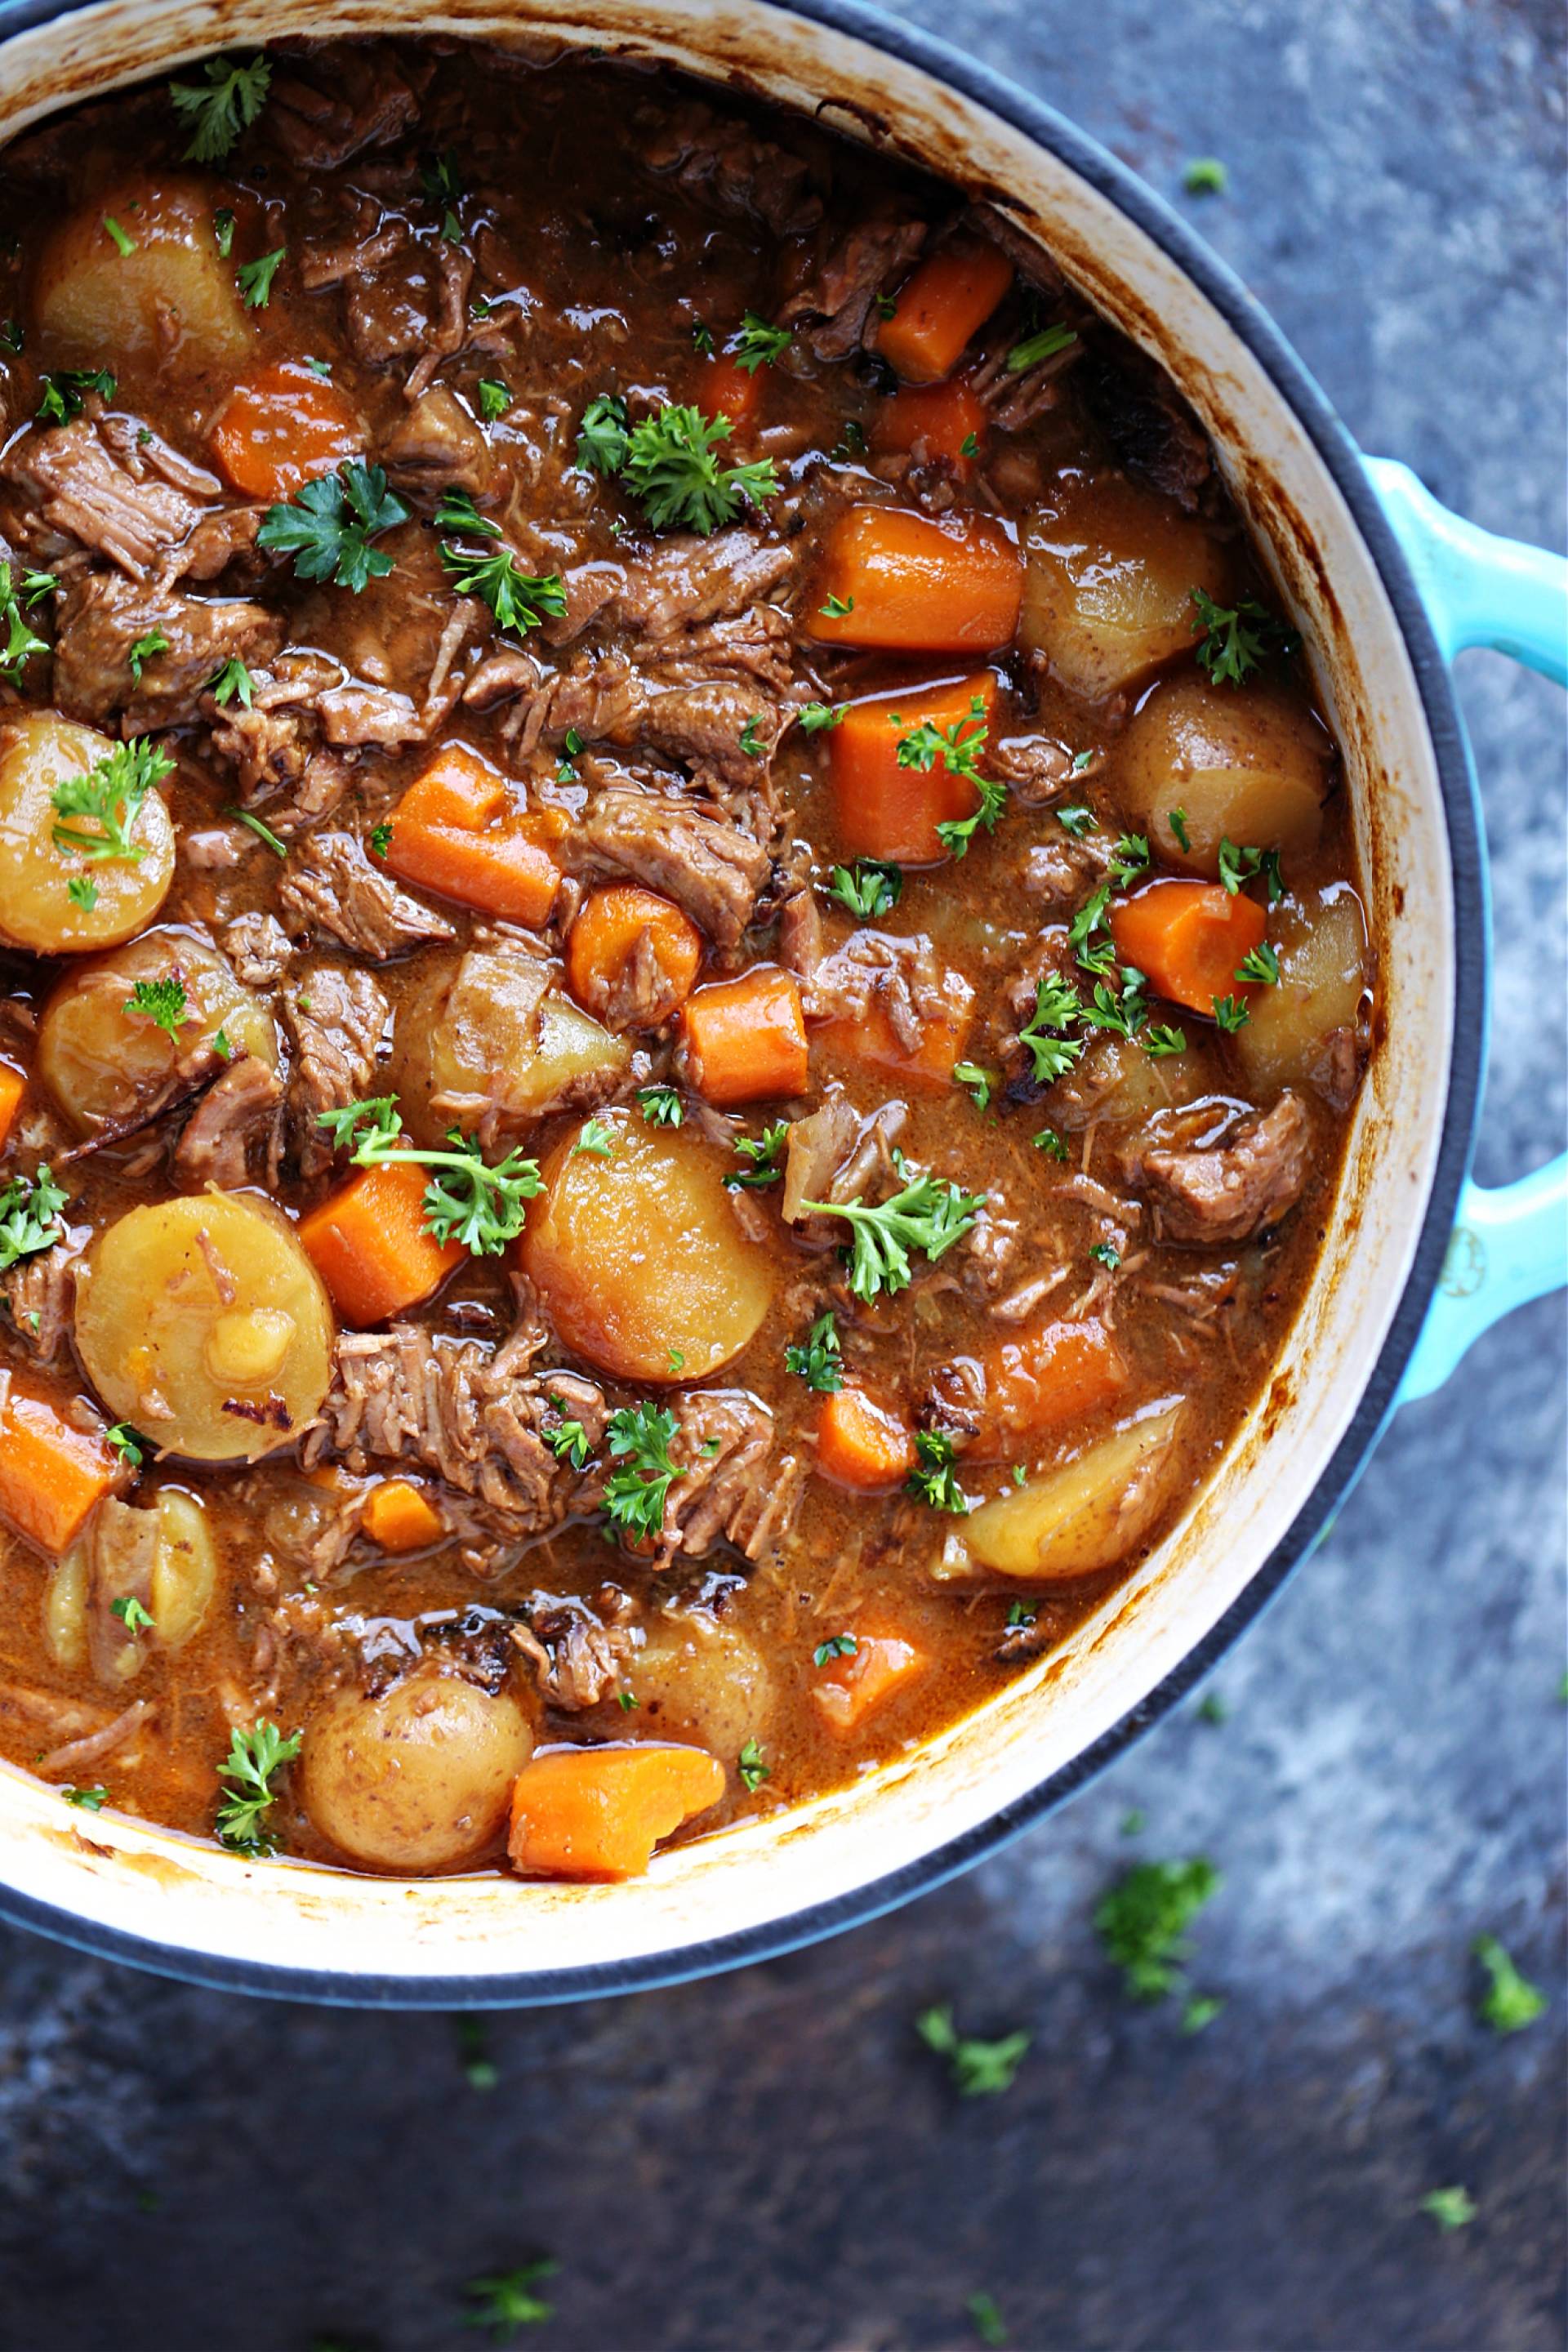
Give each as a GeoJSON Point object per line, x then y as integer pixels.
{"type": "Point", "coordinates": [1511, 2001]}
{"type": "Point", "coordinates": [980, 2069]}
{"type": "Point", "coordinates": [1142, 1922]}
{"type": "Point", "coordinates": [507, 2302]}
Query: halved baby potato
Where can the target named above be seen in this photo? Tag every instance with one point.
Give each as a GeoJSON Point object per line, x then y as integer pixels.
{"type": "Point", "coordinates": [1109, 593]}
{"type": "Point", "coordinates": [1252, 767]}
{"type": "Point", "coordinates": [38, 750]}
{"type": "Point", "coordinates": [493, 1037]}
{"type": "Point", "coordinates": [107, 1063]}
{"type": "Point", "coordinates": [638, 1257]}
{"type": "Point", "coordinates": [173, 296]}
{"type": "Point", "coordinates": [160, 1555]}
{"type": "Point", "coordinates": [203, 1322]}
{"type": "Point", "coordinates": [1085, 1515]}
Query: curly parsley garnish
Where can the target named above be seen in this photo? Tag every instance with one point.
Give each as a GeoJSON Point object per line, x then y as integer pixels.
{"type": "Point", "coordinates": [928, 1214]}
{"type": "Point", "coordinates": [819, 1362]}
{"type": "Point", "coordinates": [467, 1200]}
{"type": "Point", "coordinates": [233, 679]}
{"type": "Point", "coordinates": [814, 716]}
{"type": "Point", "coordinates": [872, 886]}
{"type": "Point", "coordinates": [566, 1437]}
{"type": "Point", "coordinates": [110, 796]}
{"type": "Point", "coordinates": [228, 103]}
{"type": "Point", "coordinates": [151, 642]}
{"type": "Point", "coordinates": [668, 463]}
{"type": "Point", "coordinates": [29, 1216]}
{"type": "Point", "coordinates": [21, 644]}
{"type": "Point", "coordinates": [162, 1002]}
{"type": "Point", "coordinates": [255, 277]}
{"type": "Point", "coordinates": [934, 1478]}
{"type": "Point", "coordinates": [756, 344]}
{"type": "Point", "coordinates": [751, 1768]}
{"type": "Point", "coordinates": [1237, 639]}
{"type": "Point", "coordinates": [330, 523]}
{"type": "Point", "coordinates": [518, 599]}
{"type": "Point", "coordinates": [253, 1757]}
{"type": "Point", "coordinates": [65, 390]}
{"type": "Point", "coordinates": [603, 435]}
{"type": "Point", "coordinates": [958, 746]}
{"type": "Point", "coordinates": [1238, 863]}
{"type": "Point", "coordinates": [765, 1153]}
{"type": "Point", "coordinates": [660, 1105]}
{"type": "Point", "coordinates": [639, 1438]}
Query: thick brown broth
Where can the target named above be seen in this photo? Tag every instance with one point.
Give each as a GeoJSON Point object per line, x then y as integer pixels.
{"type": "Point", "coordinates": [454, 217]}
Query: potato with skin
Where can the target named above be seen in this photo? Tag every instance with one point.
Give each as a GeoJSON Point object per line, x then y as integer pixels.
{"type": "Point", "coordinates": [38, 750]}
{"type": "Point", "coordinates": [1118, 1079]}
{"type": "Point", "coordinates": [638, 1257]}
{"type": "Point", "coordinates": [700, 1679]}
{"type": "Point", "coordinates": [1109, 593]}
{"type": "Point", "coordinates": [1085, 1516]}
{"type": "Point", "coordinates": [174, 297]}
{"type": "Point", "coordinates": [1249, 766]}
{"type": "Point", "coordinates": [1297, 1032]}
{"type": "Point", "coordinates": [109, 1066]}
{"type": "Point", "coordinates": [491, 1039]}
{"type": "Point", "coordinates": [419, 1779]}
{"type": "Point", "coordinates": [203, 1322]}
{"type": "Point", "coordinates": [176, 1584]}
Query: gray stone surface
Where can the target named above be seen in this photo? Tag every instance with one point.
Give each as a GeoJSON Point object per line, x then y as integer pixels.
{"type": "Point", "coordinates": [769, 2160]}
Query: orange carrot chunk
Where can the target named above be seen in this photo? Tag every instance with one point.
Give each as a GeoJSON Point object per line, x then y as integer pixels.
{"type": "Point", "coordinates": [598, 1812]}
{"type": "Point", "coordinates": [940, 305]}
{"type": "Point", "coordinates": [905, 583]}
{"type": "Point", "coordinates": [849, 1688]}
{"type": "Point", "coordinates": [1188, 938]}
{"type": "Point", "coordinates": [1052, 1375]}
{"type": "Point", "coordinates": [399, 1518]}
{"type": "Point", "coordinates": [371, 1248]}
{"type": "Point", "coordinates": [455, 832]}
{"type": "Point", "coordinates": [745, 1039]}
{"type": "Point", "coordinates": [51, 1473]}
{"type": "Point", "coordinates": [928, 1062]}
{"type": "Point", "coordinates": [13, 1087]}
{"type": "Point", "coordinates": [282, 427]}
{"type": "Point", "coordinates": [621, 931]}
{"type": "Point", "coordinates": [730, 390]}
{"type": "Point", "coordinates": [936, 420]}
{"type": "Point", "coordinates": [883, 810]}
{"type": "Point", "coordinates": [860, 1443]}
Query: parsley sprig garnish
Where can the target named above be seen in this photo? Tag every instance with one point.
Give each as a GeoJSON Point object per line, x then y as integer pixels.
{"type": "Point", "coordinates": [329, 524]}
{"type": "Point", "coordinates": [253, 1757]}
{"type": "Point", "coordinates": [1239, 862]}
{"type": "Point", "coordinates": [65, 390]}
{"type": "Point", "coordinates": [928, 1214]}
{"type": "Point", "coordinates": [467, 1201]}
{"type": "Point", "coordinates": [217, 110]}
{"type": "Point", "coordinates": [162, 1001]}
{"type": "Point", "coordinates": [518, 599]}
{"type": "Point", "coordinates": [1036, 348]}
{"type": "Point", "coordinates": [603, 435]}
{"type": "Point", "coordinates": [934, 1477]}
{"type": "Point", "coordinates": [765, 1153]}
{"type": "Point", "coordinates": [110, 796]}
{"type": "Point", "coordinates": [756, 344]}
{"type": "Point", "coordinates": [872, 886]}
{"type": "Point", "coordinates": [29, 1216]}
{"type": "Point", "coordinates": [639, 1438]}
{"type": "Point", "coordinates": [980, 2069]}
{"type": "Point", "coordinates": [456, 510]}
{"type": "Point", "coordinates": [255, 277]}
{"type": "Point", "coordinates": [1237, 639]}
{"type": "Point", "coordinates": [819, 1364]}
{"type": "Point", "coordinates": [660, 1105]}
{"type": "Point", "coordinates": [21, 644]}
{"type": "Point", "coordinates": [958, 746]}
{"type": "Point", "coordinates": [753, 1770]}
{"type": "Point", "coordinates": [667, 461]}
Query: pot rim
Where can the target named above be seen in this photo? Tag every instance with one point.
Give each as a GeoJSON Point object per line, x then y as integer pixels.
{"type": "Point", "coordinates": [1299, 390]}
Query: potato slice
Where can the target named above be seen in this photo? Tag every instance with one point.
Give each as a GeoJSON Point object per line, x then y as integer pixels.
{"type": "Point", "coordinates": [1319, 937]}
{"type": "Point", "coordinates": [1111, 571]}
{"type": "Point", "coordinates": [1251, 765]}
{"type": "Point", "coordinates": [493, 1033]}
{"type": "Point", "coordinates": [173, 1299]}
{"type": "Point", "coordinates": [419, 1779]}
{"type": "Point", "coordinates": [37, 751]}
{"type": "Point", "coordinates": [639, 1257]}
{"type": "Point", "coordinates": [172, 298]}
{"type": "Point", "coordinates": [1087, 1515]}
{"type": "Point", "coordinates": [107, 1066]}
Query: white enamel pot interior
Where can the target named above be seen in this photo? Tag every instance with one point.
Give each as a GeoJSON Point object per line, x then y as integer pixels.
{"type": "Point", "coordinates": [120, 1886]}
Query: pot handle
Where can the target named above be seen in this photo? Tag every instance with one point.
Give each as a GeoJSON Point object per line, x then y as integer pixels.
{"type": "Point", "coordinates": [1510, 1243]}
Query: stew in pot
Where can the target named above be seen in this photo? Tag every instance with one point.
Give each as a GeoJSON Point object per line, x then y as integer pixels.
{"type": "Point", "coordinates": [683, 970]}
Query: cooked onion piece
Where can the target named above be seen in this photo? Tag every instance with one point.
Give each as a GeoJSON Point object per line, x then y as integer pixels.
{"type": "Point", "coordinates": [492, 1039]}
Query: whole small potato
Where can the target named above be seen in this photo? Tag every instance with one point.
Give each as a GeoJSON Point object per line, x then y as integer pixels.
{"type": "Point", "coordinates": [37, 751]}
{"type": "Point", "coordinates": [173, 296]}
{"type": "Point", "coordinates": [699, 1678]}
{"type": "Point", "coordinates": [638, 1257]}
{"type": "Point", "coordinates": [1250, 766]}
{"type": "Point", "coordinates": [418, 1779]}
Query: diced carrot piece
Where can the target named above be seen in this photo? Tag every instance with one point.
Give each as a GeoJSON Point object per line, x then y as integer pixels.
{"type": "Point", "coordinates": [1052, 1375]}
{"type": "Point", "coordinates": [13, 1087]}
{"type": "Point", "coordinates": [870, 1037]}
{"type": "Point", "coordinates": [51, 1473]}
{"type": "Point", "coordinates": [882, 810]}
{"type": "Point", "coordinates": [1187, 938]}
{"type": "Point", "coordinates": [940, 305]}
{"type": "Point", "coordinates": [745, 1038]}
{"type": "Point", "coordinates": [598, 1812]}
{"type": "Point", "coordinates": [608, 934]}
{"type": "Point", "coordinates": [860, 1443]}
{"type": "Point", "coordinates": [939, 420]}
{"type": "Point", "coordinates": [282, 427]}
{"type": "Point", "coordinates": [907, 584]}
{"type": "Point", "coordinates": [730, 390]}
{"type": "Point", "coordinates": [455, 830]}
{"type": "Point", "coordinates": [847, 1689]}
{"type": "Point", "coordinates": [371, 1248]}
{"type": "Point", "coordinates": [399, 1518]}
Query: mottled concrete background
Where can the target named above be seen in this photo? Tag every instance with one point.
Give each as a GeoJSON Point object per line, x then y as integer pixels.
{"type": "Point", "coordinates": [770, 2161]}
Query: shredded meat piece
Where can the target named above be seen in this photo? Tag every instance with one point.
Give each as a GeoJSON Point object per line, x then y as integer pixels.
{"type": "Point", "coordinates": [1154, 431]}
{"type": "Point", "coordinates": [708, 867]}
{"type": "Point", "coordinates": [234, 1119]}
{"type": "Point", "coordinates": [724, 161]}
{"type": "Point", "coordinates": [830, 310]}
{"type": "Point", "coordinates": [40, 1294]}
{"type": "Point", "coordinates": [474, 1418]}
{"type": "Point", "coordinates": [448, 330]}
{"type": "Point", "coordinates": [1032, 767]}
{"type": "Point", "coordinates": [735, 1494]}
{"type": "Point", "coordinates": [335, 1019]}
{"type": "Point", "coordinates": [1229, 1191]}
{"type": "Point", "coordinates": [839, 1154]}
{"type": "Point", "coordinates": [372, 101]}
{"type": "Point", "coordinates": [679, 586]}
{"type": "Point", "coordinates": [276, 743]}
{"type": "Point", "coordinates": [1063, 872]}
{"type": "Point", "coordinates": [438, 446]}
{"type": "Point", "coordinates": [374, 238]}
{"type": "Point", "coordinates": [990, 1248]}
{"type": "Point", "coordinates": [96, 482]}
{"type": "Point", "coordinates": [904, 978]}
{"type": "Point", "coordinates": [358, 717]}
{"type": "Point", "coordinates": [330, 886]}
{"type": "Point", "coordinates": [578, 1662]}
{"type": "Point", "coordinates": [102, 616]}
{"type": "Point", "coordinates": [258, 948]}
{"type": "Point", "coordinates": [75, 1755]}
